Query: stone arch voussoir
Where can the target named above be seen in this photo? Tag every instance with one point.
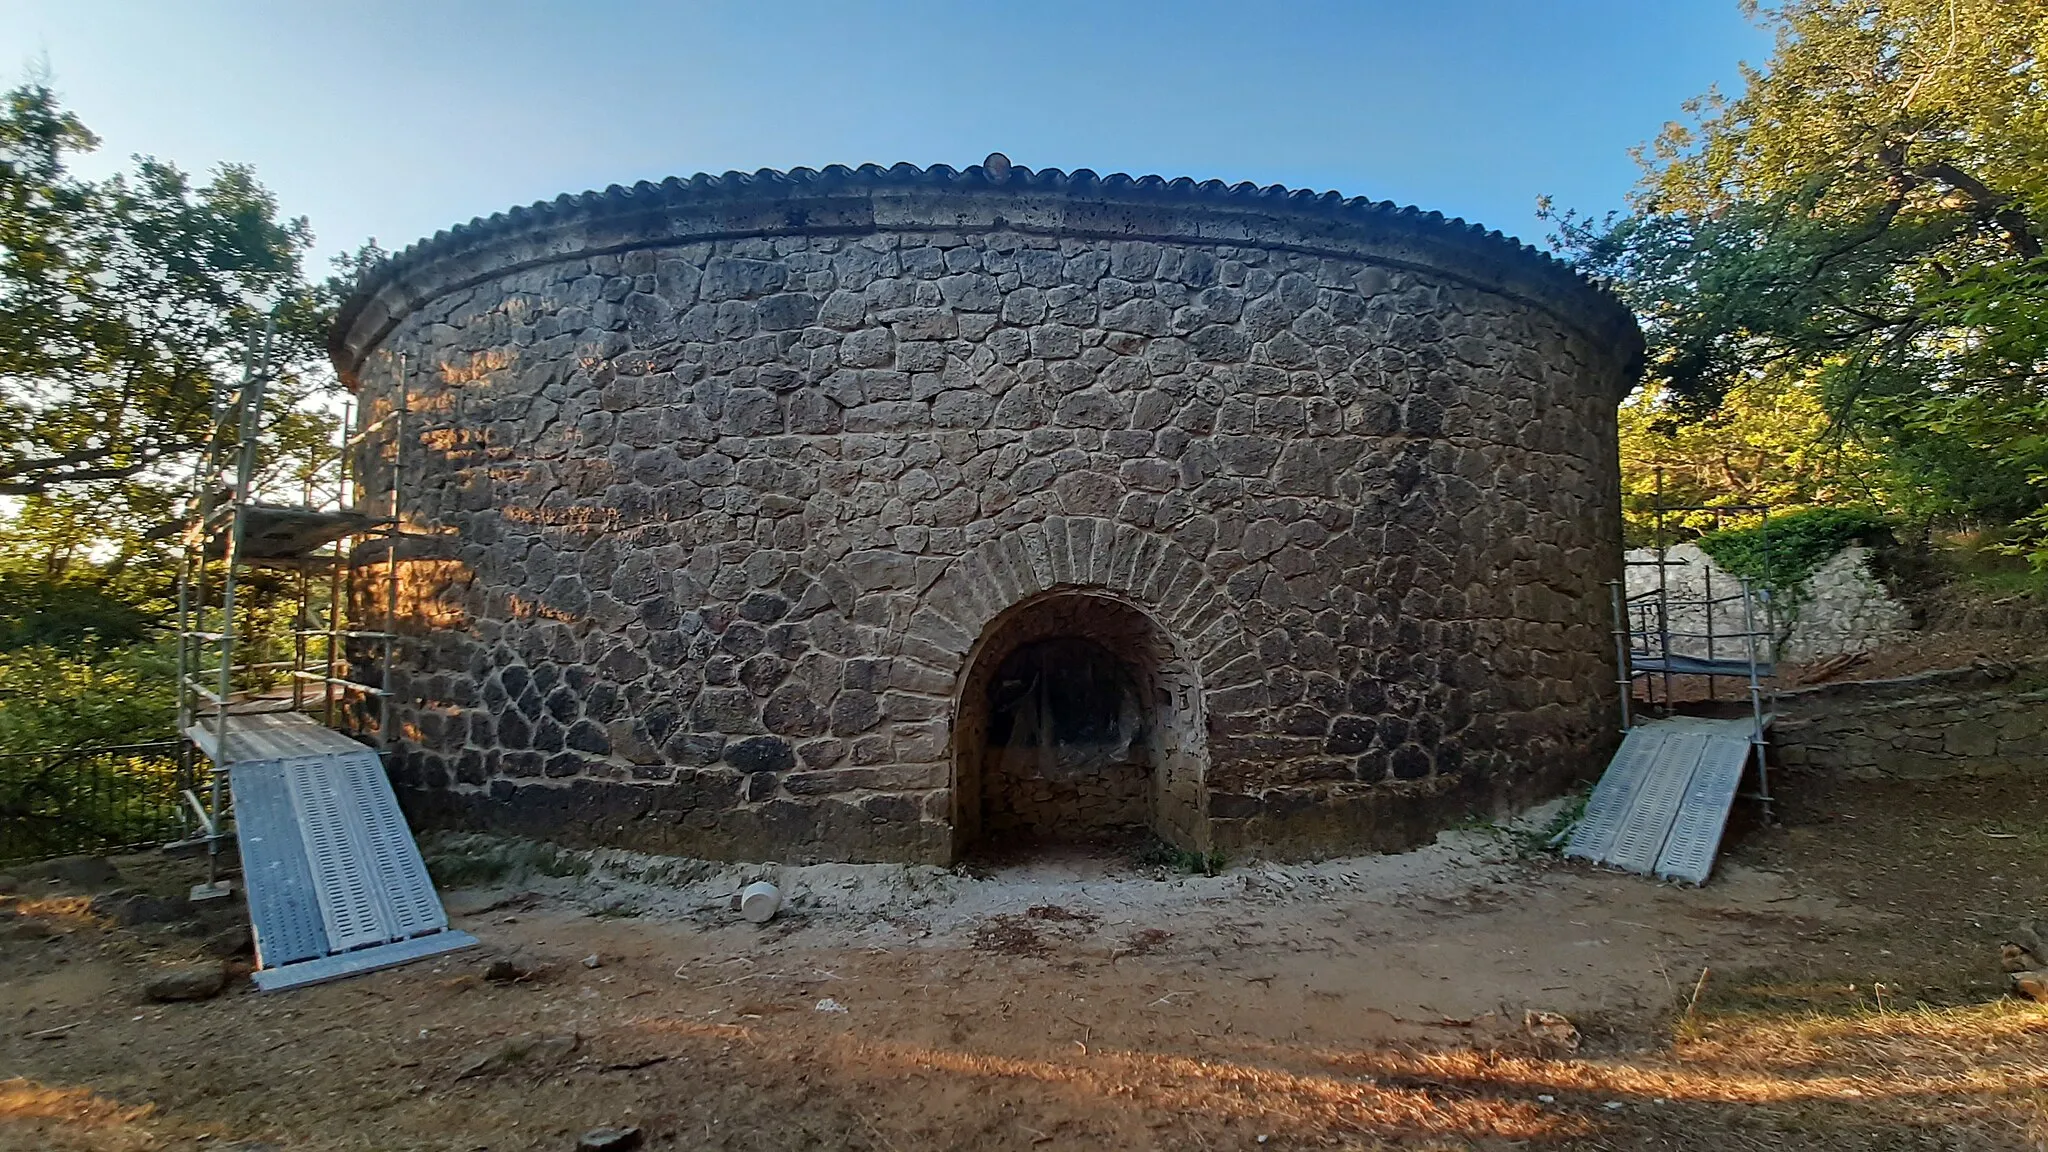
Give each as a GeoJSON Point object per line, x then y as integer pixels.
{"type": "Point", "coordinates": [1085, 553]}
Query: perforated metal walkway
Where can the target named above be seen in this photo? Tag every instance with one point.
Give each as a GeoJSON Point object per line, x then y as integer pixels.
{"type": "Point", "coordinates": [335, 883]}
{"type": "Point", "coordinates": [1663, 802]}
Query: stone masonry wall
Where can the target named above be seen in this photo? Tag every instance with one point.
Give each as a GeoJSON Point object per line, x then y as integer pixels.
{"type": "Point", "coordinates": [1968, 721]}
{"type": "Point", "coordinates": [717, 492]}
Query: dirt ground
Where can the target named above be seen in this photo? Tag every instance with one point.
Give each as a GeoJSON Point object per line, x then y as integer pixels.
{"type": "Point", "coordinates": [1834, 986]}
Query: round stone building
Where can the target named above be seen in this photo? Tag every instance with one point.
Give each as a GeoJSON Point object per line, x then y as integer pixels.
{"type": "Point", "coordinates": [900, 514]}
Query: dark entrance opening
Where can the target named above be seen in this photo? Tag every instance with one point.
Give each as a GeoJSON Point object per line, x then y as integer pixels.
{"type": "Point", "coordinates": [1066, 758]}
{"type": "Point", "coordinates": [1078, 724]}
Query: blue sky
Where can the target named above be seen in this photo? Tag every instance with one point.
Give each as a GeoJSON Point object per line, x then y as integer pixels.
{"type": "Point", "coordinates": [394, 118]}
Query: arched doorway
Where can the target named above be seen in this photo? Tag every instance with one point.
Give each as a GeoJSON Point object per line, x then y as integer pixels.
{"type": "Point", "coordinates": [1078, 722]}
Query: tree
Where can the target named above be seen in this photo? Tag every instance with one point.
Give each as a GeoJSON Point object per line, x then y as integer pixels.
{"type": "Point", "coordinates": [1768, 442]}
{"type": "Point", "coordinates": [124, 303]}
{"type": "Point", "coordinates": [1868, 218]}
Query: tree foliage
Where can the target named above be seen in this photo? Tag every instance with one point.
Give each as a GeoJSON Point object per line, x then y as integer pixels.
{"type": "Point", "coordinates": [1866, 219]}
{"type": "Point", "coordinates": [124, 304]}
{"type": "Point", "coordinates": [1768, 442]}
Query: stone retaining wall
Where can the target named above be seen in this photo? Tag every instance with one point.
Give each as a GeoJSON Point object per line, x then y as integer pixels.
{"type": "Point", "coordinates": [1968, 721]}
{"type": "Point", "coordinates": [1842, 607]}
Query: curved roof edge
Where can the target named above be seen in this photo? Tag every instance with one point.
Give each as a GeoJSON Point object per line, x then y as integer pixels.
{"type": "Point", "coordinates": [1573, 297]}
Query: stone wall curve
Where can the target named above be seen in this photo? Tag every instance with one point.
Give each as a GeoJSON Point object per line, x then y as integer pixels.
{"type": "Point", "coordinates": [716, 482]}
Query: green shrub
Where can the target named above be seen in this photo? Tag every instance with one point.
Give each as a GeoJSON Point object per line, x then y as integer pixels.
{"type": "Point", "coordinates": [1782, 553]}
{"type": "Point", "coordinates": [53, 698]}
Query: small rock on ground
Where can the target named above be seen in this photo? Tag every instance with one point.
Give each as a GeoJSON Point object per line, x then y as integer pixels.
{"type": "Point", "coordinates": [188, 982]}
{"type": "Point", "coordinates": [1552, 1031]}
{"type": "Point", "coordinates": [609, 1140]}
{"type": "Point", "coordinates": [24, 928]}
{"type": "Point", "coordinates": [230, 942]}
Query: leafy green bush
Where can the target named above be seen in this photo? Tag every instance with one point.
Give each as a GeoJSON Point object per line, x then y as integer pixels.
{"type": "Point", "coordinates": [53, 698]}
{"type": "Point", "coordinates": [37, 609]}
{"type": "Point", "coordinates": [1783, 552]}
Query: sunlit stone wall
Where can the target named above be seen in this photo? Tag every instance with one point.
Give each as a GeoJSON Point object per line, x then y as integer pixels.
{"type": "Point", "coordinates": [720, 488]}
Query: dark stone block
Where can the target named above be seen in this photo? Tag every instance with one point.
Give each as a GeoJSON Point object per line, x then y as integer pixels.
{"type": "Point", "coordinates": [1230, 806]}
{"type": "Point", "coordinates": [563, 705]}
{"type": "Point", "coordinates": [791, 712]}
{"type": "Point", "coordinates": [761, 754]}
{"type": "Point", "coordinates": [1350, 735]}
{"type": "Point", "coordinates": [514, 731]}
{"type": "Point", "coordinates": [763, 672]}
{"type": "Point", "coordinates": [659, 613]}
{"type": "Point", "coordinates": [667, 649]}
{"type": "Point", "coordinates": [1410, 763]}
{"type": "Point", "coordinates": [855, 711]}
{"type": "Point", "coordinates": [1393, 731]}
{"type": "Point", "coordinates": [695, 748]}
{"type": "Point", "coordinates": [548, 735]}
{"type": "Point", "coordinates": [869, 675]}
{"type": "Point", "coordinates": [603, 703]}
{"type": "Point", "coordinates": [589, 736]}
{"type": "Point", "coordinates": [1368, 697]}
{"type": "Point", "coordinates": [724, 710]}
{"type": "Point", "coordinates": [891, 808]}
{"type": "Point", "coordinates": [743, 638]}
{"type": "Point", "coordinates": [1303, 720]}
{"type": "Point", "coordinates": [764, 608]}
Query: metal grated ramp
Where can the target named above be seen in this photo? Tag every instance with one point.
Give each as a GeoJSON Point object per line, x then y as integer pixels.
{"type": "Point", "coordinates": [335, 882]}
{"type": "Point", "coordinates": [1662, 804]}
{"type": "Point", "coordinates": [1688, 853]}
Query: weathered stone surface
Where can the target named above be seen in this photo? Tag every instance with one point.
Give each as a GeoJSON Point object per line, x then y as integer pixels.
{"type": "Point", "coordinates": [1966, 722]}
{"type": "Point", "coordinates": [610, 1140]}
{"type": "Point", "coordinates": [228, 943]}
{"type": "Point", "coordinates": [718, 546]}
{"type": "Point", "coordinates": [197, 981]}
{"type": "Point", "coordinates": [1841, 607]}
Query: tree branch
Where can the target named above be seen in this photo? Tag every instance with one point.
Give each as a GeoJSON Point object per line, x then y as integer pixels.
{"type": "Point", "coordinates": [1993, 206]}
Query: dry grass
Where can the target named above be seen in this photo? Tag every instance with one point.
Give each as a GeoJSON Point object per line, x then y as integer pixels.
{"type": "Point", "coordinates": [39, 1116]}
{"type": "Point", "coordinates": [66, 913]}
{"type": "Point", "coordinates": [1975, 1076]}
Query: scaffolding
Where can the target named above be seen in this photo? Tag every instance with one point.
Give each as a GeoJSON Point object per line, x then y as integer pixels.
{"type": "Point", "coordinates": [229, 670]}
{"type": "Point", "coordinates": [1662, 632]}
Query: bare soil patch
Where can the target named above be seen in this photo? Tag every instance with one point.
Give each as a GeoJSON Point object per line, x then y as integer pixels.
{"type": "Point", "coordinates": [1850, 1000]}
